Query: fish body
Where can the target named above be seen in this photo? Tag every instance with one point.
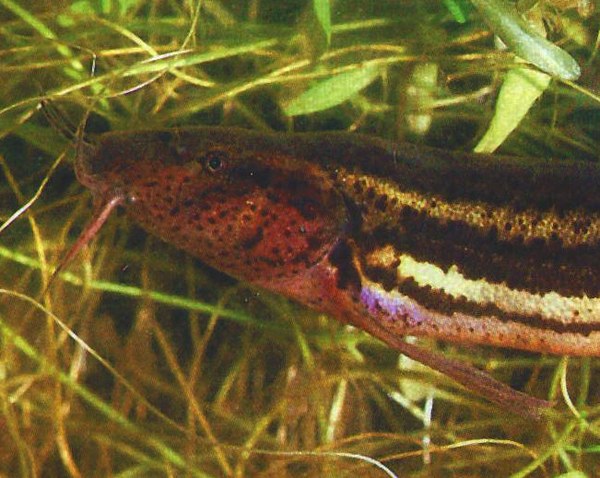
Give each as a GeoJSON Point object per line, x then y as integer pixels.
{"type": "Point", "coordinates": [396, 239]}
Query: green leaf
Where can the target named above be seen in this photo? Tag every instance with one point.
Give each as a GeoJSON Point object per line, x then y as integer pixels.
{"type": "Point", "coordinates": [520, 89]}
{"type": "Point", "coordinates": [323, 15]}
{"type": "Point", "coordinates": [315, 25]}
{"type": "Point", "coordinates": [332, 91]}
{"type": "Point", "coordinates": [504, 20]}
{"type": "Point", "coordinates": [458, 9]}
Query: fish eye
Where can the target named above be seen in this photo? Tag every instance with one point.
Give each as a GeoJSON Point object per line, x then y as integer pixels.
{"type": "Point", "coordinates": [214, 161]}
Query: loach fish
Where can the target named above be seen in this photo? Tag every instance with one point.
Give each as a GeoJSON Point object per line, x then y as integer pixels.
{"type": "Point", "coordinates": [395, 239]}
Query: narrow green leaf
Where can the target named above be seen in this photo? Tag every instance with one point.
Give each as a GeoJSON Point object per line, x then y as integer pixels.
{"type": "Point", "coordinates": [505, 21]}
{"type": "Point", "coordinates": [332, 91]}
{"type": "Point", "coordinates": [45, 31]}
{"type": "Point", "coordinates": [457, 9]}
{"type": "Point", "coordinates": [520, 89]}
{"type": "Point", "coordinates": [323, 15]}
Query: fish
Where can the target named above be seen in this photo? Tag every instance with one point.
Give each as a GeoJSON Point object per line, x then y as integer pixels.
{"type": "Point", "coordinates": [395, 239]}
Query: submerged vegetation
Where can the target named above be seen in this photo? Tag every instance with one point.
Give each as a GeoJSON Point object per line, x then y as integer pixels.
{"type": "Point", "coordinates": [140, 361]}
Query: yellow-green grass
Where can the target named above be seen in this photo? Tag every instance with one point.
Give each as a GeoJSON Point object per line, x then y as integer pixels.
{"type": "Point", "coordinates": [140, 361]}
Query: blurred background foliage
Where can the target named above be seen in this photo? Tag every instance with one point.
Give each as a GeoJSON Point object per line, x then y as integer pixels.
{"type": "Point", "coordinates": [199, 375]}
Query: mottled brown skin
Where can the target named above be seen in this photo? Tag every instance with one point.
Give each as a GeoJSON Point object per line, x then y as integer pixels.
{"type": "Point", "coordinates": [260, 218]}
{"type": "Point", "coordinates": [303, 215]}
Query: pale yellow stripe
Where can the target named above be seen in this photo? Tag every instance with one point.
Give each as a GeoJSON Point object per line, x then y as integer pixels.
{"type": "Point", "coordinates": [551, 306]}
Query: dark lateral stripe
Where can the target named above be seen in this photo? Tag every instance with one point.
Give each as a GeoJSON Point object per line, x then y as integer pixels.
{"type": "Point", "coordinates": [382, 202]}
{"type": "Point", "coordinates": [539, 183]}
{"type": "Point", "coordinates": [538, 267]}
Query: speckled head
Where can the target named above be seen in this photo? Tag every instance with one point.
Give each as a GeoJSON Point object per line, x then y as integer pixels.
{"type": "Point", "coordinates": [227, 196]}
